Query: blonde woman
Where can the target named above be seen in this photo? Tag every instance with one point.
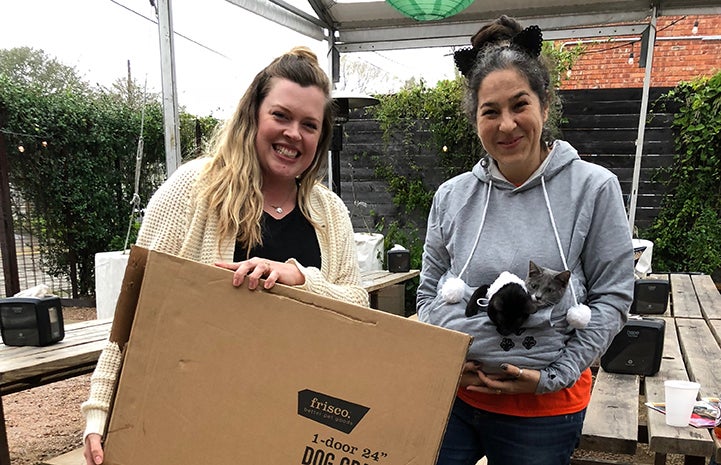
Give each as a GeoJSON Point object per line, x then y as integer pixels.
{"type": "Point", "coordinates": [255, 205]}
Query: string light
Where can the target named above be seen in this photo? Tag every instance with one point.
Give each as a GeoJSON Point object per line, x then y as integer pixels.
{"type": "Point", "coordinates": [21, 146]}
{"type": "Point", "coordinates": [694, 30]}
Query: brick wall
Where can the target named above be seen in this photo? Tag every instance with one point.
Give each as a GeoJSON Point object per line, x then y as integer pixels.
{"type": "Point", "coordinates": [679, 55]}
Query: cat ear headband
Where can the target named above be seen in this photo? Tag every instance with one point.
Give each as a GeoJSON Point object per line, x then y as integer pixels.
{"type": "Point", "coordinates": [530, 40]}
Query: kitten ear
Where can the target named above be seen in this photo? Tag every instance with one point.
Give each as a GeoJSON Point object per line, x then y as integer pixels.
{"type": "Point", "coordinates": [563, 277]}
{"type": "Point", "coordinates": [533, 269]}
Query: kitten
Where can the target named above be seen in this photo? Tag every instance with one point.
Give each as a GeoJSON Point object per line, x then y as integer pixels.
{"type": "Point", "coordinates": [545, 285]}
{"type": "Point", "coordinates": [508, 308]}
{"type": "Point", "coordinates": [511, 305]}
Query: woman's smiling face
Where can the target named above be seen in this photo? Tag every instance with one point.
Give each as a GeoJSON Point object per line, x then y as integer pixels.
{"type": "Point", "coordinates": [510, 122]}
{"type": "Point", "coordinates": [290, 120]}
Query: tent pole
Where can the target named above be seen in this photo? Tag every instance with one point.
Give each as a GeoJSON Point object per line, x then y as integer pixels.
{"type": "Point", "coordinates": [171, 116]}
{"type": "Point", "coordinates": [642, 122]}
{"type": "Point", "coordinates": [333, 153]}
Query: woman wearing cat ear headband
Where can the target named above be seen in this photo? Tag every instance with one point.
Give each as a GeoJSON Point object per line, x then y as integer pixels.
{"type": "Point", "coordinates": [522, 396]}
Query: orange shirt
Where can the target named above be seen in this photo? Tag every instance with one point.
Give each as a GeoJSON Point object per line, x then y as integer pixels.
{"type": "Point", "coordinates": [568, 400]}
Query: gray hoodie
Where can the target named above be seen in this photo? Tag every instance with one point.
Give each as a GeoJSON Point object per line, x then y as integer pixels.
{"type": "Point", "coordinates": [593, 231]}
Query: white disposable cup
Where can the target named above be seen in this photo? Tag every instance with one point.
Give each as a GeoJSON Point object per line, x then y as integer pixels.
{"type": "Point", "coordinates": [680, 399]}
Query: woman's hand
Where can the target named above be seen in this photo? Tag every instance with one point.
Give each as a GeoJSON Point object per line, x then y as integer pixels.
{"type": "Point", "coordinates": [257, 268]}
{"type": "Point", "coordinates": [513, 380]}
{"type": "Point", "coordinates": [93, 452]}
{"type": "Point", "coordinates": [469, 375]}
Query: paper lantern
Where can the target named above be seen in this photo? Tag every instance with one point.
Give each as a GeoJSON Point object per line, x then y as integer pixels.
{"type": "Point", "coordinates": [429, 10]}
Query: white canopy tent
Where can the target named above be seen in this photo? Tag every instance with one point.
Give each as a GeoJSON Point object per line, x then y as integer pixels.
{"type": "Point", "coordinates": [363, 25]}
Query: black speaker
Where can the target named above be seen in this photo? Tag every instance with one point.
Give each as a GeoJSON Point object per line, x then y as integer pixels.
{"type": "Point", "coordinates": [650, 296]}
{"type": "Point", "coordinates": [399, 260]}
{"type": "Point", "coordinates": [637, 348]}
{"type": "Point", "coordinates": [31, 321]}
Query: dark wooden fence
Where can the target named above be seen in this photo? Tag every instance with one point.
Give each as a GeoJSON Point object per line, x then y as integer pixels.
{"type": "Point", "coordinates": [602, 124]}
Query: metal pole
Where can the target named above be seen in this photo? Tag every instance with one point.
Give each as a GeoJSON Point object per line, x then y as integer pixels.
{"type": "Point", "coordinates": [171, 117]}
{"type": "Point", "coordinates": [336, 147]}
{"type": "Point", "coordinates": [333, 155]}
{"type": "Point", "coordinates": [642, 122]}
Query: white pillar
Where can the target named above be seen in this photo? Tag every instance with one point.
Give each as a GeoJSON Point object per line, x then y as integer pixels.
{"type": "Point", "coordinates": [642, 122]}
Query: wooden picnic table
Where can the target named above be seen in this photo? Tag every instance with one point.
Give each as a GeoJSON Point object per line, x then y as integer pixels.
{"type": "Point", "coordinates": [692, 350]}
{"type": "Point", "coordinates": [378, 281]}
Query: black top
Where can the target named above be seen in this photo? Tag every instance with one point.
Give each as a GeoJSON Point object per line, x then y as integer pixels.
{"type": "Point", "coordinates": [289, 237]}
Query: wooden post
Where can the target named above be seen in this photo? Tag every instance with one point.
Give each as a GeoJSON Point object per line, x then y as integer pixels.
{"type": "Point", "coordinates": [7, 232]}
{"type": "Point", "coordinates": [4, 447]}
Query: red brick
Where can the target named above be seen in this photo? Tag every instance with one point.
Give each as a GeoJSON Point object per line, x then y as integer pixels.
{"type": "Point", "coordinates": [678, 56]}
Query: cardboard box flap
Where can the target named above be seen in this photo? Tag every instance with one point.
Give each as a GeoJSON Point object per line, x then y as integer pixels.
{"type": "Point", "coordinates": [128, 298]}
{"type": "Point", "coordinates": [217, 374]}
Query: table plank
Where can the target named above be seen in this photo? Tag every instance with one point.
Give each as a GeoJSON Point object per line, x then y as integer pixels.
{"type": "Point", "coordinates": [701, 354]}
{"type": "Point", "coordinates": [662, 438]}
{"type": "Point", "coordinates": [88, 334]}
{"type": "Point", "coordinates": [715, 327]}
{"type": "Point", "coordinates": [378, 279]}
{"type": "Point", "coordinates": [611, 423]}
{"type": "Point", "coordinates": [683, 297]}
{"type": "Point", "coordinates": [79, 350]}
{"type": "Point", "coordinates": [708, 295]}
{"type": "Point", "coordinates": [75, 334]}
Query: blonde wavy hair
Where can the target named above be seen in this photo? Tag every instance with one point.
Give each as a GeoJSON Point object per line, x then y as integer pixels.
{"type": "Point", "coordinates": [233, 178]}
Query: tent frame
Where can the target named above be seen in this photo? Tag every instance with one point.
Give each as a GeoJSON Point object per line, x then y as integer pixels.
{"type": "Point", "coordinates": [358, 26]}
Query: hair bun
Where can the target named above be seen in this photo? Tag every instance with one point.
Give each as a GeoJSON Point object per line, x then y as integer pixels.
{"type": "Point", "coordinates": [498, 31]}
{"type": "Point", "coordinates": [304, 52]}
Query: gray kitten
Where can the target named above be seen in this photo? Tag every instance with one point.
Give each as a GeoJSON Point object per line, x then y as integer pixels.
{"type": "Point", "coordinates": [546, 286]}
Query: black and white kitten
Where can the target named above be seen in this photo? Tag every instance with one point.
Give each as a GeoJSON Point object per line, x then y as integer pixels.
{"type": "Point", "coordinates": [510, 306]}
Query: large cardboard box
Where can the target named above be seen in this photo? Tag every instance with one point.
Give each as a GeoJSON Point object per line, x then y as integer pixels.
{"type": "Point", "coordinates": [224, 375]}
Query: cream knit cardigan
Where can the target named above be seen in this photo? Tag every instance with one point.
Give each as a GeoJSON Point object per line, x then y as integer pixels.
{"type": "Point", "coordinates": [179, 223]}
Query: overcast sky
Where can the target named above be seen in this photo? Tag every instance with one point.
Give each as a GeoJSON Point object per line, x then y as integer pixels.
{"type": "Point", "coordinates": [220, 47]}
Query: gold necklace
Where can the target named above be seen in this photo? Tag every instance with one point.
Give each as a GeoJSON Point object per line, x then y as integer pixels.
{"type": "Point", "coordinates": [279, 208]}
